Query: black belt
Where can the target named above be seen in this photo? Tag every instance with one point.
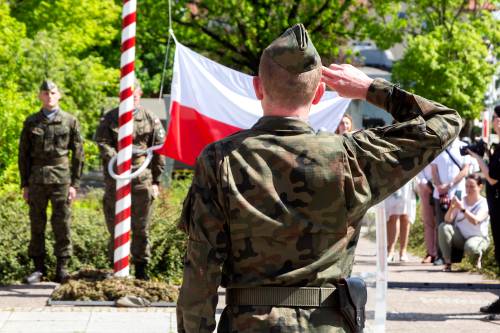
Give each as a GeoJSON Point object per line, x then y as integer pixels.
{"type": "Point", "coordinates": [50, 162]}
{"type": "Point", "coordinates": [282, 296]}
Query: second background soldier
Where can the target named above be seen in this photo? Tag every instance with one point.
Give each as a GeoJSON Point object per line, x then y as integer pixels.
{"type": "Point", "coordinates": [148, 132]}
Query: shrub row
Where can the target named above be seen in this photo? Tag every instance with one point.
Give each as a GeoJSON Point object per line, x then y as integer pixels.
{"type": "Point", "coordinates": [90, 236]}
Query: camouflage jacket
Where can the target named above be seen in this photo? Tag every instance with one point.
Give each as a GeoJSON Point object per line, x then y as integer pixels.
{"type": "Point", "coordinates": [44, 150]}
{"type": "Point", "coordinates": [148, 132]}
{"type": "Point", "coordinates": [280, 205]}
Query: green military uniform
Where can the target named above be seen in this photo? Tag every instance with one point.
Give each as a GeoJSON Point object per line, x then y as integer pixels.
{"type": "Point", "coordinates": [148, 132]}
{"type": "Point", "coordinates": [279, 205]}
{"type": "Point", "coordinates": [46, 169]}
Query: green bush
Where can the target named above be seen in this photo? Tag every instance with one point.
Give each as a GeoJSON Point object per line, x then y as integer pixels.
{"type": "Point", "coordinates": [90, 236]}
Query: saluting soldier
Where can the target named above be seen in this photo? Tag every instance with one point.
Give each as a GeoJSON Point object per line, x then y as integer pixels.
{"type": "Point", "coordinates": [276, 208]}
{"type": "Point", "coordinates": [148, 132]}
{"type": "Point", "coordinates": [50, 163]}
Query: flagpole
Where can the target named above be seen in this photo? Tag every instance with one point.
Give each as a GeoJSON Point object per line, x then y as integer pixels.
{"type": "Point", "coordinates": [126, 127]}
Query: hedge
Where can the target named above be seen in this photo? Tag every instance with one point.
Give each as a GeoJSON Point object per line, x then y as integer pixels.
{"type": "Point", "coordinates": [90, 236]}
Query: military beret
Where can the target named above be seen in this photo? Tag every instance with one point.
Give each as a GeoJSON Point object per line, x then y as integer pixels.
{"type": "Point", "coordinates": [294, 51]}
{"type": "Point", "coordinates": [47, 85]}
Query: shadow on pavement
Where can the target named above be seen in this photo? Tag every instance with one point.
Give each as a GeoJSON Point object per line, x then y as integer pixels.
{"type": "Point", "coordinates": [416, 316]}
{"type": "Point", "coordinates": [28, 291]}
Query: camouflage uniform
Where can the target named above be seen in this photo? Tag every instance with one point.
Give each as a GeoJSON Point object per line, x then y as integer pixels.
{"type": "Point", "coordinates": [148, 132]}
{"type": "Point", "coordinates": [280, 205]}
{"type": "Point", "coordinates": [46, 170]}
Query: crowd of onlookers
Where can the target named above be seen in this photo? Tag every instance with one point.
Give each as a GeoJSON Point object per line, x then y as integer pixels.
{"type": "Point", "coordinates": [454, 210]}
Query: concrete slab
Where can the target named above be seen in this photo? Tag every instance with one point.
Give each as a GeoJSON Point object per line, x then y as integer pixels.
{"type": "Point", "coordinates": [45, 326]}
{"type": "Point", "coordinates": [26, 295]}
{"type": "Point", "coordinates": [4, 316]}
{"type": "Point", "coordinates": [36, 316]}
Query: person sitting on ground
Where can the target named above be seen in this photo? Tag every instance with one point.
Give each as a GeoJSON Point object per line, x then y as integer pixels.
{"type": "Point", "coordinates": [400, 206]}
{"type": "Point", "coordinates": [466, 223]}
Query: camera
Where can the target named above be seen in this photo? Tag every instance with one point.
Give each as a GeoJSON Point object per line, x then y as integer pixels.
{"type": "Point", "coordinates": [478, 147]}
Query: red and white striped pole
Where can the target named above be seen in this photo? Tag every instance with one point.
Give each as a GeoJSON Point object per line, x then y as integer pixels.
{"type": "Point", "coordinates": [124, 160]}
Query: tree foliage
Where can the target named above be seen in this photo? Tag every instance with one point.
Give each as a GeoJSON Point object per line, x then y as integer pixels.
{"type": "Point", "coordinates": [453, 72]}
{"type": "Point", "coordinates": [447, 58]}
{"type": "Point", "coordinates": [234, 33]}
{"type": "Point", "coordinates": [35, 46]}
{"type": "Point", "coordinates": [79, 25]}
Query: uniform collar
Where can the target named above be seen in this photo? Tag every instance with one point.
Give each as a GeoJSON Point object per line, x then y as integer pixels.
{"type": "Point", "coordinates": [284, 125]}
{"type": "Point", "coordinates": [57, 118]}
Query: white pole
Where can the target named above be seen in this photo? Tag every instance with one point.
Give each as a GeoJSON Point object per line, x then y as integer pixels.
{"type": "Point", "coordinates": [381, 280]}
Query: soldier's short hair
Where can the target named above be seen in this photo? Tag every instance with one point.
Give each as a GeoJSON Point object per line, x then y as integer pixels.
{"type": "Point", "coordinates": [285, 88]}
{"type": "Point", "coordinates": [290, 68]}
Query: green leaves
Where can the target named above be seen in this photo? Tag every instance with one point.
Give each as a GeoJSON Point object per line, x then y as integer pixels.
{"type": "Point", "coordinates": [36, 46]}
{"type": "Point", "coordinates": [449, 61]}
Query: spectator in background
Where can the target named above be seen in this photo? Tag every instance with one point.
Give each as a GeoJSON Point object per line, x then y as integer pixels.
{"type": "Point", "coordinates": [466, 224]}
{"type": "Point", "coordinates": [345, 125]}
{"type": "Point", "coordinates": [448, 176]}
{"type": "Point", "coordinates": [491, 173]}
{"type": "Point", "coordinates": [400, 206]}
{"type": "Point", "coordinates": [425, 189]}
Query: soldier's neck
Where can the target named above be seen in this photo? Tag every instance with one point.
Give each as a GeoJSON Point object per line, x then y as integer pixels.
{"type": "Point", "coordinates": [277, 111]}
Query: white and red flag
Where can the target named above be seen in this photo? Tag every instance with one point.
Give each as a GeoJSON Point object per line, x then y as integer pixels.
{"type": "Point", "coordinates": [209, 101]}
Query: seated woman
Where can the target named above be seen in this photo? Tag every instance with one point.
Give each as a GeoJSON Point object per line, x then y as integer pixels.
{"type": "Point", "coordinates": [466, 224]}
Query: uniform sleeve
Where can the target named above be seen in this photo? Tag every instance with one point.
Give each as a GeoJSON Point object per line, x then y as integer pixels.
{"type": "Point", "coordinates": [23, 159]}
{"type": "Point", "coordinates": [203, 220]}
{"type": "Point", "coordinates": [105, 141]}
{"type": "Point", "coordinates": [77, 154]}
{"type": "Point", "coordinates": [158, 162]}
{"type": "Point", "coordinates": [383, 159]}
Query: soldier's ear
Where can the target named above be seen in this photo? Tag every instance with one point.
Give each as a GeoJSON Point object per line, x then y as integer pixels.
{"type": "Point", "coordinates": [257, 87]}
{"type": "Point", "coordinates": [320, 90]}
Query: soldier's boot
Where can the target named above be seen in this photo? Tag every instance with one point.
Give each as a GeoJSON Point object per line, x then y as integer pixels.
{"type": "Point", "coordinates": [140, 271]}
{"type": "Point", "coordinates": [62, 274]}
{"type": "Point", "coordinates": [39, 272]}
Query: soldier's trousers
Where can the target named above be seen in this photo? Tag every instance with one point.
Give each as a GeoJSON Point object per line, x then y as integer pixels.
{"type": "Point", "coordinates": [142, 199]}
{"type": "Point", "coordinates": [39, 197]}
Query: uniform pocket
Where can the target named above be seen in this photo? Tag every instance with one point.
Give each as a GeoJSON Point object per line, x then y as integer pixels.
{"type": "Point", "coordinates": [61, 137]}
{"type": "Point", "coordinates": [37, 136]}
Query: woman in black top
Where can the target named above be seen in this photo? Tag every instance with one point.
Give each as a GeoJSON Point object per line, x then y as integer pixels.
{"type": "Point", "coordinates": [491, 173]}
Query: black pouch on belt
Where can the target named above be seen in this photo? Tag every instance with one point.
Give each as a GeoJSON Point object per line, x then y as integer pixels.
{"type": "Point", "coordinates": [352, 298]}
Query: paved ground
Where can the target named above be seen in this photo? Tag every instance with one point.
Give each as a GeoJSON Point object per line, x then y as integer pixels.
{"type": "Point", "coordinates": [23, 308]}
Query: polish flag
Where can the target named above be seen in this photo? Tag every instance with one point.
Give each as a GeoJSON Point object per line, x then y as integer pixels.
{"type": "Point", "coordinates": [209, 101]}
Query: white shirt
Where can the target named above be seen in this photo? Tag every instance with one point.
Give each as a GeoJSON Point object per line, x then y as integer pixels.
{"type": "Point", "coordinates": [468, 229]}
{"type": "Point", "coordinates": [425, 176]}
{"type": "Point", "coordinates": [448, 170]}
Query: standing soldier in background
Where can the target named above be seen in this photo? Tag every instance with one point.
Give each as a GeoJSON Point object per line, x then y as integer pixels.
{"type": "Point", "coordinates": [48, 175]}
{"type": "Point", "coordinates": [148, 131]}
{"type": "Point", "coordinates": [276, 208]}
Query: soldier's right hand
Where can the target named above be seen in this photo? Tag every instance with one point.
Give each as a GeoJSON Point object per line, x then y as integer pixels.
{"type": "Point", "coordinates": [346, 80]}
{"type": "Point", "coordinates": [26, 193]}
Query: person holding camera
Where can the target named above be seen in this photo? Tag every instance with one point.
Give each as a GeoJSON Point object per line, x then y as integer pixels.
{"type": "Point", "coordinates": [466, 223]}
{"type": "Point", "coordinates": [448, 176]}
{"type": "Point", "coordinates": [491, 172]}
